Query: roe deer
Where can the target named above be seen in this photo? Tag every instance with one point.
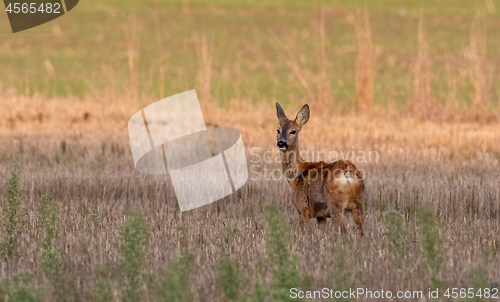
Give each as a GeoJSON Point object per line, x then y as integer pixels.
{"type": "Point", "coordinates": [320, 189]}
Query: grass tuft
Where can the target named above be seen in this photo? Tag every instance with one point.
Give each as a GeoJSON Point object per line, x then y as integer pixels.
{"type": "Point", "coordinates": [135, 238]}
{"type": "Point", "coordinates": [13, 219]}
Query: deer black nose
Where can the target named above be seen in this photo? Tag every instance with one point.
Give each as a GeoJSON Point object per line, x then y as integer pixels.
{"type": "Point", "coordinates": [282, 144]}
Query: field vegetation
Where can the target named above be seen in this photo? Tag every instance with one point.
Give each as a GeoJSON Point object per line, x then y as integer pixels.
{"type": "Point", "coordinates": [416, 83]}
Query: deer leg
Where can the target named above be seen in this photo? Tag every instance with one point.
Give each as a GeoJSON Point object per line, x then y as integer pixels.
{"type": "Point", "coordinates": [304, 218]}
{"type": "Point", "coordinates": [321, 223]}
{"type": "Point", "coordinates": [357, 213]}
{"type": "Point", "coordinates": [338, 219]}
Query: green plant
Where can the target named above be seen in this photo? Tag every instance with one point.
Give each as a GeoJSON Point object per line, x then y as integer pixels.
{"type": "Point", "coordinates": [342, 264]}
{"type": "Point", "coordinates": [13, 219]}
{"type": "Point", "coordinates": [135, 238]}
{"type": "Point", "coordinates": [174, 284]}
{"type": "Point", "coordinates": [431, 244]}
{"type": "Point", "coordinates": [480, 278]}
{"type": "Point", "coordinates": [94, 218]}
{"type": "Point", "coordinates": [394, 222]}
{"type": "Point", "coordinates": [104, 291]}
{"type": "Point", "coordinates": [47, 219]}
{"type": "Point", "coordinates": [284, 265]}
{"type": "Point", "coordinates": [21, 289]}
{"type": "Point", "coordinates": [229, 275]}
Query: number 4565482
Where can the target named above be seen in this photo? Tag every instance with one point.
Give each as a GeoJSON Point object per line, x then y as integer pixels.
{"type": "Point", "coordinates": [471, 293]}
{"type": "Point", "coordinates": [31, 8]}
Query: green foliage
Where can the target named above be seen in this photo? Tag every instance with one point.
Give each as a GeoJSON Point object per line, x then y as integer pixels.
{"type": "Point", "coordinates": [480, 278]}
{"type": "Point", "coordinates": [431, 243]}
{"type": "Point", "coordinates": [94, 218]}
{"type": "Point", "coordinates": [284, 265]}
{"type": "Point", "coordinates": [394, 222]}
{"type": "Point", "coordinates": [341, 274]}
{"type": "Point", "coordinates": [13, 219]}
{"type": "Point", "coordinates": [228, 240]}
{"type": "Point", "coordinates": [104, 291]}
{"type": "Point", "coordinates": [229, 275]}
{"type": "Point", "coordinates": [47, 220]}
{"type": "Point", "coordinates": [135, 238]}
{"type": "Point", "coordinates": [21, 289]}
{"type": "Point", "coordinates": [174, 284]}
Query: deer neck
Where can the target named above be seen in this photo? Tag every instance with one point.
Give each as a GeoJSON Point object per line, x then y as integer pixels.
{"type": "Point", "coordinates": [290, 160]}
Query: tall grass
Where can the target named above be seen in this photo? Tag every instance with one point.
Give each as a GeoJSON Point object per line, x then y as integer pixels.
{"type": "Point", "coordinates": [21, 289]}
{"type": "Point", "coordinates": [230, 277]}
{"type": "Point", "coordinates": [431, 244]}
{"type": "Point", "coordinates": [284, 265]}
{"type": "Point", "coordinates": [422, 81]}
{"type": "Point", "coordinates": [133, 56]}
{"type": "Point", "coordinates": [47, 223]}
{"type": "Point", "coordinates": [174, 284]}
{"type": "Point", "coordinates": [288, 50]}
{"type": "Point", "coordinates": [476, 55]}
{"type": "Point", "coordinates": [135, 236]}
{"type": "Point", "coordinates": [364, 61]}
{"type": "Point", "coordinates": [341, 272]}
{"type": "Point", "coordinates": [204, 48]}
{"type": "Point", "coordinates": [324, 85]}
{"type": "Point", "coordinates": [398, 241]}
{"type": "Point", "coordinates": [13, 218]}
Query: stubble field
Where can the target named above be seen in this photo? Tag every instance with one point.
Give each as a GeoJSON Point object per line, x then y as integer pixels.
{"type": "Point", "coordinates": [427, 140]}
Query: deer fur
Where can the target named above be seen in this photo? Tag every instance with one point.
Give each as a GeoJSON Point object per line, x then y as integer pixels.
{"type": "Point", "coordinates": [320, 190]}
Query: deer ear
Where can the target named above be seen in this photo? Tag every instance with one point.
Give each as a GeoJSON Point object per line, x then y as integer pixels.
{"type": "Point", "coordinates": [302, 116]}
{"type": "Point", "coordinates": [279, 112]}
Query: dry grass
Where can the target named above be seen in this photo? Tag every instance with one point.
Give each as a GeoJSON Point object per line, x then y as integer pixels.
{"type": "Point", "coordinates": [204, 50]}
{"type": "Point", "coordinates": [364, 62]}
{"type": "Point", "coordinates": [451, 169]}
{"type": "Point", "coordinates": [444, 159]}
{"type": "Point", "coordinates": [477, 58]}
{"type": "Point", "coordinates": [324, 86]}
{"type": "Point", "coordinates": [423, 76]}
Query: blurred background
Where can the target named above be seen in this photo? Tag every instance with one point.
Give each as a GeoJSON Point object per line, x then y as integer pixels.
{"type": "Point", "coordinates": [349, 55]}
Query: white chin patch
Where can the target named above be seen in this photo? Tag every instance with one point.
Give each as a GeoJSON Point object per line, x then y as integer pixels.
{"type": "Point", "coordinates": [282, 149]}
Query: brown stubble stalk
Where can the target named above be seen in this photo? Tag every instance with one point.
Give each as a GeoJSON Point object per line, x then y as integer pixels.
{"type": "Point", "coordinates": [204, 48]}
{"type": "Point", "coordinates": [324, 86]}
{"type": "Point", "coordinates": [422, 81]}
{"type": "Point", "coordinates": [364, 63]}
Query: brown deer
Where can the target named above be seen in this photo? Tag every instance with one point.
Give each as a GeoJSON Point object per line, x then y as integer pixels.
{"type": "Point", "coordinates": [320, 189]}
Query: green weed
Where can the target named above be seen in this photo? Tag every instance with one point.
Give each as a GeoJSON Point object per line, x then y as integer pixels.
{"type": "Point", "coordinates": [394, 223]}
{"type": "Point", "coordinates": [21, 289]}
{"type": "Point", "coordinates": [174, 284]}
{"type": "Point", "coordinates": [341, 275]}
{"type": "Point", "coordinates": [285, 267]}
{"type": "Point", "coordinates": [431, 244]}
{"type": "Point", "coordinates": [230, 277]}
{"type": "Point", "coordinates": [13, 219]}
{"type": "Point", "coordinates": [47, 219]}
{"type": "Point", "coordinates": [135, 238]}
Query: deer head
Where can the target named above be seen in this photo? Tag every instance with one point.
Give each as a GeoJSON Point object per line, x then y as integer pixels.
{"type": "Point", "coordinates": [288, 132]}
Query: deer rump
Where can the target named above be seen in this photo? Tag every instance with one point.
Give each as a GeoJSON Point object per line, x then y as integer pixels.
{"type": "Point", "coordinates": [323, 188]}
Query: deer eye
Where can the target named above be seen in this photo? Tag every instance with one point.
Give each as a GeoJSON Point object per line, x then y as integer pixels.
{"type": "Point", "coordinates": [278, 131]}
{"type": "Point", "coordinates": [293, 132]}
